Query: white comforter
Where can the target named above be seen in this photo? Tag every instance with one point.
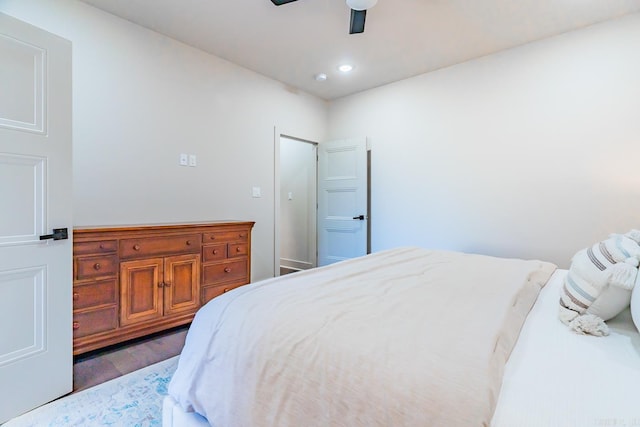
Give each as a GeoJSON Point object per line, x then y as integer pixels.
{"type": "Point", "coordinates": [404, 337]}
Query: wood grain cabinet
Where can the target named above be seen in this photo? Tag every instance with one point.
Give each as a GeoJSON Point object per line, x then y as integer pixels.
{"type": "Point", "coordinates": [136, 280]}
{"type": "Point", "coordinates": [225, 256]}
{"type": "Point", "coordinates": [155, 287]}
{"type": "Point", "coordinates": [95, 299]}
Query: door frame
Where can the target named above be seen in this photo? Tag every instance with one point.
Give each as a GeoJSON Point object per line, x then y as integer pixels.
{"type": "Point", "coordinates": [277, 134]}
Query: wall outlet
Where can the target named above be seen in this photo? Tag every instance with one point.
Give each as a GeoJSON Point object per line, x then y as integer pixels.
{"type": "Point", "coordinates": [192, 160]}
{"type": "Point", "coordinates": [183, 160]}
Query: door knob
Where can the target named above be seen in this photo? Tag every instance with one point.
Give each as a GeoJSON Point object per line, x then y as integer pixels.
{"type": "Point", "coordinates": [58, 234]}
{"type": "Point", "coordinates": [360, 217]}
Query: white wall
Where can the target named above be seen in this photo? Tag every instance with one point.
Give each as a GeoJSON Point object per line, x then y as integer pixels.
{"type": "Point", "coordinates": [532, 152]}
{"type": "Point", "coordinates": [140, 99]}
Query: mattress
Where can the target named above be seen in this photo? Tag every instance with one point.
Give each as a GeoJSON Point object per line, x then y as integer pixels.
{"type": "Point", "coordinates": [553, 377]}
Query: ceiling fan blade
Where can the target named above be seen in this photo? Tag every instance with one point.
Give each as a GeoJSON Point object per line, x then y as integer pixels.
{"type": "Point", "coordinates": [281, 2]}
{"type": "Point", "coordinates": [357, 21]}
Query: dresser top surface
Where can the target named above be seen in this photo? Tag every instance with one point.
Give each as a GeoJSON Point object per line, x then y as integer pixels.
{"type": "Point", "coordinates": [163, 226]}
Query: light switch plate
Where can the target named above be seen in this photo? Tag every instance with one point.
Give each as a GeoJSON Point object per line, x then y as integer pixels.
{"type": "Point", "coordinates": [183, 160]}
{"type": "Point", "coordinates": [192, 160]}
{"type": "Point", "coordinates": [256, 192]}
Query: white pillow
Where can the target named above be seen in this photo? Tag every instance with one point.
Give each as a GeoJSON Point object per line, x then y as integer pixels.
{"type": "Point", "coordinates": [635, 303]}
{"type": "Point", "coordinates": [600, 282]}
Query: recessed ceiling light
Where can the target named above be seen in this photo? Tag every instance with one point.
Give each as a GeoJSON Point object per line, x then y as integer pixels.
{"type": "Point", "coordinates": [345, 68]}
{"type": "Point", "coordinates": [320, 77]}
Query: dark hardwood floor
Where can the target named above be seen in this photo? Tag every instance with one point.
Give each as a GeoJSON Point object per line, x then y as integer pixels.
{"type": "Point", "coordinates": [98, 366]}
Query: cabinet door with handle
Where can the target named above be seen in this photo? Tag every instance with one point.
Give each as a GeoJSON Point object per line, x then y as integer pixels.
{"type": "Point", "coordinates": [181, 284]}
{"type": "Point", "coordinates": [141, 290]}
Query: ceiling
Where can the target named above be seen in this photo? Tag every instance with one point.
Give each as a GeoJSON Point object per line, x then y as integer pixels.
{"type": "Point", "coordinates": [403, 38]}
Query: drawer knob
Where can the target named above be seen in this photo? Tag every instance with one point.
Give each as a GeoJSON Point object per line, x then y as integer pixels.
{"type": "Point", "coordinates": [136, 247]}
{"type": "Point", "coordinates": [160, 285]}
{"type": "Point", "coordinates": [215, 252]}
{"type": "Point", "coordinates": [101, 246]}
{"type": "Point", "coordinates": [241, 235]}
{"type": "Point", "coordinates": [97, 266]}
{"type": "Point", "coordinates": [212, 237]}
{"type": "Point", "coordinates": [227, 269]}
{"type": "Point", "coordinates": [76, 296]}
{"type": "Point", "coordinates": [76, 325]}
{"type": "Point", "coordinates": [167, 284]}
{"type": "Point", "coordinates": [188, 242]}
{"type": "Point", "coordinates": [226, 290]}
{"type": "Point", "coordinates": [238, 249]}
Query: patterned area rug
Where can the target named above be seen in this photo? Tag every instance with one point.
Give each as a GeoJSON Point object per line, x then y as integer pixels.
{"type": "Point", "coordinates": [134, 399]}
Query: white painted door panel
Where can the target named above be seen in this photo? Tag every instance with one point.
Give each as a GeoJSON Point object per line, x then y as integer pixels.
{"type": "Point", "coordinates": [342, 198]}
{"type": "Point", "coordinates": [35, 196]}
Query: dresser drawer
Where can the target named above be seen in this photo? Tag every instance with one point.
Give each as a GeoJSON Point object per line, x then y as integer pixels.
{"type": "Point", "coordinates": [92, 322]}
{"type": "Point", "coordinates": [225, 236]}
{"type": "Point", "coordinates": [95, 248]}
{"type": "Point", "coordinates": [214, 252]}
{"type": "Point", "coordinates": [210, 292]}
{"type": "Point", "coordinates": [216, 273]}
{"type": "Point", "coordinates": [156, 246]}
{"type": "Point", "coordinates": [94, 294]}
{"type": "Point", "coordinates": [237, 250]}
{"type": "Point", "coordinates": [96, 266]}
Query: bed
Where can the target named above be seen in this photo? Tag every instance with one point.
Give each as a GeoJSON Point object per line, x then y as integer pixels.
{"type": "Point", "coordinates": [403, 337]}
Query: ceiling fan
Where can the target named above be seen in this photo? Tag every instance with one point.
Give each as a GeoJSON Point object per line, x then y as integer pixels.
{"type": "Point", "coordinates": [358, 12]}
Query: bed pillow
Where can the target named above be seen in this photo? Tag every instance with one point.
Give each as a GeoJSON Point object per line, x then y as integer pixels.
{"type": "Point", "coordinates": [599, 283]}
{"type": "Point", "coordinates": [635, 303]}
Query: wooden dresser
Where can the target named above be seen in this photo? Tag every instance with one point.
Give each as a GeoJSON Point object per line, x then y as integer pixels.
{"type": "Point", "coordinates": [130, 281]}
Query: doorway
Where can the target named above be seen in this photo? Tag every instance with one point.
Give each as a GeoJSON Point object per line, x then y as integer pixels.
{"type": "Point", "coordinates": [322, 202]}
{"type": "Point", "coordinates": [297, 202]}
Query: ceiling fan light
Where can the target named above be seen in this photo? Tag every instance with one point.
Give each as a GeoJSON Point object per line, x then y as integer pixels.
{"type": "Point", "coordinates": [361, 4]}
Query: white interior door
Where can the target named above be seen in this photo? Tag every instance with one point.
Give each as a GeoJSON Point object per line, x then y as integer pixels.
{"type": "Point", "coordinates": [36, 359]}
{"type": "Point", "coordinates": [342, 200]}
